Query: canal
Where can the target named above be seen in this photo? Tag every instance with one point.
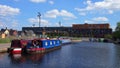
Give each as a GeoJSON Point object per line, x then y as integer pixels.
{"type": "Point", "coordinates": [77, 55]}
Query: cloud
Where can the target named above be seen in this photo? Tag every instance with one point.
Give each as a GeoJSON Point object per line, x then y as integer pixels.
{"type": "Point", "coordinates": [51, 2]}
{"type": "Point", "coordinates": [1, 24]}
{"type": "Point", "coordinates": [14, 23]}
{"type": "Point", "coordinates": [44, 22]}
{"type": "Point", "coordinates": [52, 13]}
{"type": "Point", "coordinates": [7, 14]}
{"type": "Point", "coordinates": [110, 11]}
{"type": "Point", "coordinates": [8, 11]}
{"type": "Point", "coordinates": [66, 14]}
{"type": "Point", "coordinates": [89, 21]}
{"type": "Point", "coordinates": [35, 20]}
{"type": "Point", "coordinates": [10, 23]}
{"type": "Point", "coordinates": [100, 19]}
{"type": "Point", "coordinates": [38, 1]}
{"type": "Point", "coordinates": [82, 14]}
{"type": "Point", "coordinates": [97, 20]}
{"type": "Point", "coordinates": [55, 13]}
{"type": "Point", "coordinates": [109, 5]}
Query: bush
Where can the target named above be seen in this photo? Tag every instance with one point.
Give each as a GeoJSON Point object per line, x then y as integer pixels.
{"type": "Point", "coordinates": [116, 34]}
{"type": "Point", "coordinates": [108, 36]}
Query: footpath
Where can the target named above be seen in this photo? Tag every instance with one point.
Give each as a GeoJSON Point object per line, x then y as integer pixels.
{"type": "Point", "coordinates": [3, 47]}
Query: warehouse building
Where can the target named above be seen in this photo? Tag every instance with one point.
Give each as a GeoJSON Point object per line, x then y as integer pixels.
{"type": "Point", "coordinates": [77, 30]}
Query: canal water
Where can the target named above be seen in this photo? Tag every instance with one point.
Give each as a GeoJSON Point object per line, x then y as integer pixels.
{"type": "Point", "coordinates": [77, 55]}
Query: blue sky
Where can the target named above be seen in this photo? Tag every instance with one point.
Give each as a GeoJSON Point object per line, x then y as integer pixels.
{"type": "Point", "coordinates": [16, 14]}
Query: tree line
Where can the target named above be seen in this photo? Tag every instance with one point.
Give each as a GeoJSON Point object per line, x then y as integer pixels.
{"type": "Point", "coordinates": [116, 33]}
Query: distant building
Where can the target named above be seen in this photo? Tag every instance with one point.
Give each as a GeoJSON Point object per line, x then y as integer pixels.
{"type": "Point", "coordinates": [91, 30]}
{"type": "Point", "coordinates": [77, 30]}
{"type": "Point", "coordinates": [91, 26]}
{"type": "Point", "coordinates": [48, 30]}
{"type": "Point", "coordinates": [9, 32]}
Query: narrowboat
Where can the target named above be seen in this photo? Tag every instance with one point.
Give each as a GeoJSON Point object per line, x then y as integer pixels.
{"type": "Point", "coordinates": [65, 40]}
{"type": "Point", "coordinates": [33, 46]}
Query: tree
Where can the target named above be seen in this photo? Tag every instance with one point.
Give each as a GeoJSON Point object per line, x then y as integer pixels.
{"type": "Point", "coordinates": [108, 36]}
{"type": "Point", "coordinates": [118, 27]}
{"type": "Point", "coordinates": [116, 33]}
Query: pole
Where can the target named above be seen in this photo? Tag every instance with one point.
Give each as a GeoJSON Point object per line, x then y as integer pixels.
{"type": "Point", "coordinates": [59, 24]}
{"type": "Point", "coordinates": [39, 16]}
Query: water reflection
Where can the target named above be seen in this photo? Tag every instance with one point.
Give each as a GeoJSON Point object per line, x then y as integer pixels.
{"type": "Point", "coordinates": [79, 55]}
{"type": "Point", "coordinates": [18, 58]}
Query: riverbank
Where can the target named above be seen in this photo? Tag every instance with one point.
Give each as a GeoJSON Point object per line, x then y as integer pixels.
{"type": "Point", "coordinates": [74, 41]}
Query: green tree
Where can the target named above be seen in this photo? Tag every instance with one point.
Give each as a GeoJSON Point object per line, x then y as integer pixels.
{"type": "Point", "coordinates": [118, 27]}
{"type": "Point", "coordinates": [108, 36]}
{"type": "Point", "coordinates": [116, 33]}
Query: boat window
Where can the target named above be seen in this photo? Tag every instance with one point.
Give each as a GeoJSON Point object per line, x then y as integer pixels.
{"type": "Point", "coordinates": [57, 41]}
{"type": "Point", "coordinates": [54, 42]}
{"type": "Point", "coordinates": [46, 43]}
{"type": "Point", "coordinates": [50, 43]}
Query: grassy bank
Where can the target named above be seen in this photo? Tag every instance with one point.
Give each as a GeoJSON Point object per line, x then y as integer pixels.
{"type": "Point", "coordinates": [5, 40]}
{"type": "Point", "coordinates": [76, 38]}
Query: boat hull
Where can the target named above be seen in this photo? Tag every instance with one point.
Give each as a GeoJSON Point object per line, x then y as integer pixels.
{"type": "Point", "coordinates": [14, 50]}
{"type": "Point", "coordinates": [35, 50]}
{"type": "Point", "coordinates": [41, 50]}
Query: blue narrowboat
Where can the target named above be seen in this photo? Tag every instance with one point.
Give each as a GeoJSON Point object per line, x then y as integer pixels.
{"type": "Point", "coordinates": [34, 46]}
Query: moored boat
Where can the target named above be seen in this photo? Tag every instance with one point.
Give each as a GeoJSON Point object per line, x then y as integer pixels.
{"type": "Point", "coordinates": [65, 40]}
{"type": "Point", "coordinates": [33, 46]}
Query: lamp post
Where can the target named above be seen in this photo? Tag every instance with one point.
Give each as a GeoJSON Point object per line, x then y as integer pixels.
{"type": "Point", "coordinates": [39, 16]}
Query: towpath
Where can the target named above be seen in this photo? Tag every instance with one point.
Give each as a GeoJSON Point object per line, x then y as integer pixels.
{"type": "Point", "coordinates": [4, 46]}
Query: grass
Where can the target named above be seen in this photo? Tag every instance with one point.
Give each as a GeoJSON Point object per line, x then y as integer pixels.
{"type": "Point", "coordinates": [5, 40]}
{"type": "Point", "coordinates": [75, 38]}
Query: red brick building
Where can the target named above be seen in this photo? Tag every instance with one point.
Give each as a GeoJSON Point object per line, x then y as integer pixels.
{"type": "Point", "coordinates": [91, 26]}
{"type": "Point", "coordinates": [91, 30]}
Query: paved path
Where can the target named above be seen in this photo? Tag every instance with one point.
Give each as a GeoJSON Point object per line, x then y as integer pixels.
{"type": "Point", "coordinates": [3, 47]}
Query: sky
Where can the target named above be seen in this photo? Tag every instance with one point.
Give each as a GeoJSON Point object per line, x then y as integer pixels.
{"type": "Point", "coordinates": [15, 14]}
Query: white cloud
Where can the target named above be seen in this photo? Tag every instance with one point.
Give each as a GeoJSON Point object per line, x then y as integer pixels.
{"type": "Point", "coordinates": [52, 13]}
{"type": "Point", "coordinates": [110, 11]}
{"type": "Point", "coordinates": [89, 21]}
{"type": "Point", "coordinates": [82, 13]}
{"type": "Point", "coordinates": [66, 14]}
{"type": "Point", "coordinates": [38, 1]}
{"type": "Point", "coordinates": [51, 2]}
{"type": "Point", "coordinates": [7, 14]}
{"type": "Point", "coordinates": [11, 23]}
{"type": "Point", "coordinates": [44, 22]}
{"type": "Point", "coordinates": [1, 24]}
{"type": "Point", "coordinates": [97, 20]}
{"type": "Point", "coordinates": [55, 13]}
{"type": "Point", "coordinates": [111, 5]}
{"type": "Point", "coordinates": [8, 11]}
{"type": "Point", "coordinates": [100, 19]}
{"type": "Point", "coordinates": [35, 20]}
{"type": "Point", "coordinates": [14, 23]}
